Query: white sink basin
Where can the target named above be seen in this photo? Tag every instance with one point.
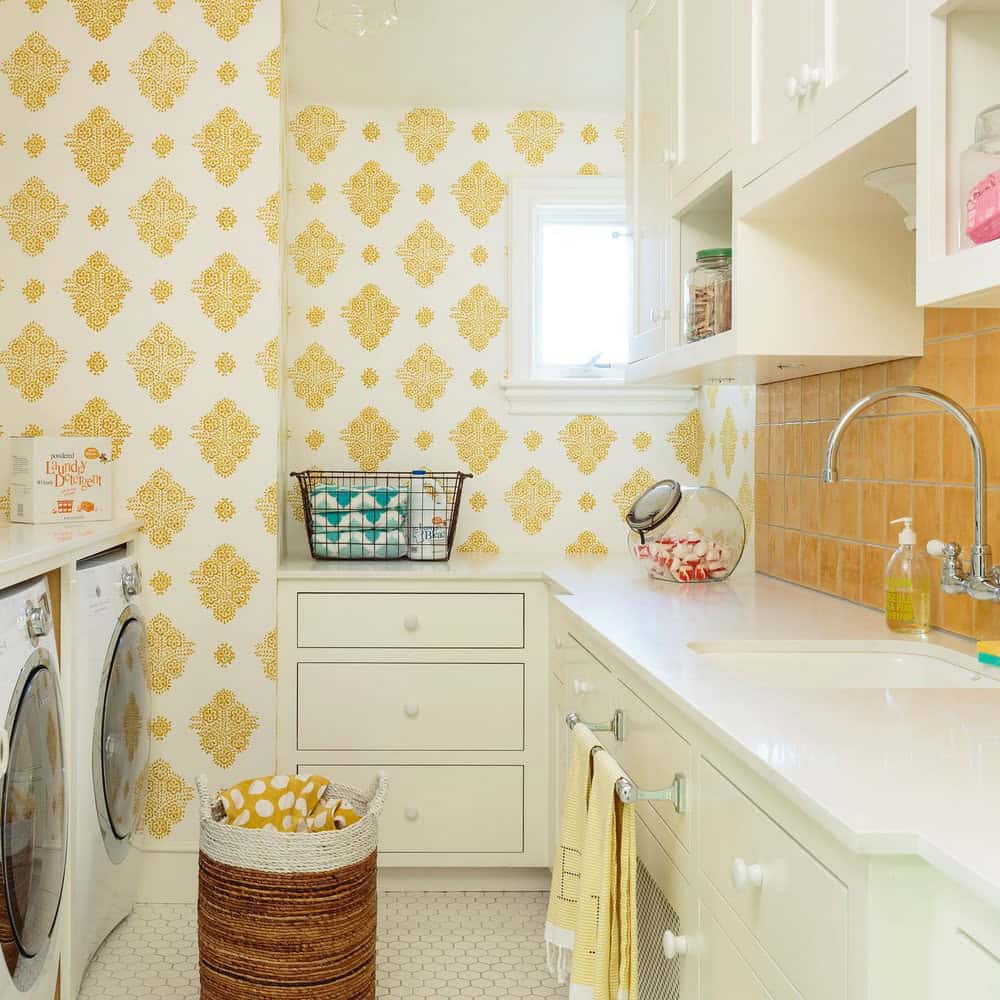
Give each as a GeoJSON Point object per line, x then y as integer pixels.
{"type": "Point", "coordinates": [844, 664]}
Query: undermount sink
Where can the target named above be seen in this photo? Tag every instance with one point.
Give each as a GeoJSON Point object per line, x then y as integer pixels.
{"type": "Point", "coordinates": [832, 664]}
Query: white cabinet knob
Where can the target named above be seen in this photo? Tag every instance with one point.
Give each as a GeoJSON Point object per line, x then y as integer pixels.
{"type": "Point", "coordinates": [745, 876]}
{"type": "Point", "coordinates": [792, 89]}
{"type": "Point", "coordinates": [583, 687]}
{"type": "Point", "coordinates": [669, 157]}
{"type": "Point", "coordinates": [411, 710]}
{"type": "Point", "coordinates": [809, 77]}
{"type": "Point", "coordinates": [559, 643]}
{"type": "Point", "coordinates": [411, 623]}
{"type": "Point", "coordinates": [412, 814]}
{"type": "Point", "coordinates": [675, 945]}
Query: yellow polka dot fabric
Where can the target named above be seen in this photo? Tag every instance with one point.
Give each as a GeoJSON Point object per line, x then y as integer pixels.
{"type": "Point", "coordinates": [289, 803]}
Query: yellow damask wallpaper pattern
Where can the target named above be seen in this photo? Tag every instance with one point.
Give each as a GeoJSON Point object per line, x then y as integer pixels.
{"type": "Point", "coordinates": [139, 276]}
{"type": "Point", "coordinates": [398, 305]}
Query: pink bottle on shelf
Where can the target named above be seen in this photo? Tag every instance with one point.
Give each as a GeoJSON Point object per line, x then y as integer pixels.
{"type": "Point", "coordinates": [981, 181]}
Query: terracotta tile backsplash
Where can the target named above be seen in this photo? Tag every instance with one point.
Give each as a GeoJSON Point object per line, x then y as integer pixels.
{"type": "Point", "coordinates": [900, 457]}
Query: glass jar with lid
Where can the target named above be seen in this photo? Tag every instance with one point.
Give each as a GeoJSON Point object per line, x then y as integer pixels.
{"type": "Point", "coordinates": [980, 216]}
{"type": "Point", "coordinates": [686, 534]}
{"type": "Point", "coordinates": [708, 294]}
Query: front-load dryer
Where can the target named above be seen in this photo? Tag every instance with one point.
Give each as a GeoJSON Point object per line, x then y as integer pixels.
{"type": "Point", "coordinates": [33, 834]}
{"type": "Point", "coordinates": [108, 698]}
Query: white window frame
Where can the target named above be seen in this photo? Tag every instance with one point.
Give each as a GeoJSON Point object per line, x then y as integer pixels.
{"type": "Point", "coordinates": [530, 388]}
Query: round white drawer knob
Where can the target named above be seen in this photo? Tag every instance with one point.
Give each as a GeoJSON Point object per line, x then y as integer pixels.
{"type": "Point", "coordinates": [674, 945]}
{"type": "Point", "coordinates": [582, 687]}
{"type": "Point", "coordinates": [745, 876]}
{"type": "Point", "coordinates": [411, 623]}
{"type": "Point", "coordinates": [412, 711]}
{"type": "Point", "coordinates": [792, 88]}
{"type": "Point", "coordinates": [412, 814]}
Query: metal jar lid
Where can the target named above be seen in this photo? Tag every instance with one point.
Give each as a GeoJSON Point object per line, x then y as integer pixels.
{"type": "Point", "coordinates": [654, 506]}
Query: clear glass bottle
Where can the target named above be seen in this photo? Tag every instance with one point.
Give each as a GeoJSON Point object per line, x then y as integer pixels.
{"type": "Point", "coordinates": [980, 170]}
{"type": "Point", "coordinates": [708, 294]}
{"type": "Point", "coordinates": [908, 585]}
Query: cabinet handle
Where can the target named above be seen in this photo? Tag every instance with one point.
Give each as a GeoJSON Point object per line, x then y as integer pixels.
{"type": "Point", "coordinates": [745, 876]}
{"type": "Point", "coordinates": [411, 814]}
{"type": "Point", "coordinates": [792, 91]}
{"type": "Point", "coordinates": [675, 945]}
{"type": "Point", "coordinates": [809, 78]}
{"type": "Point", "coordinates": [559, 644]}
{"type": "Point", "coordinates": [583, 687]}
{"type": "Point", "coordinates": [412, 711]}
{"type": "Point", "coordinates": [411, 623]}
{"type": "Point", "coordinates": [669, 157]}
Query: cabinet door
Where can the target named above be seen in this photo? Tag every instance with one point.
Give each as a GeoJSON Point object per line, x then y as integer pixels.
{"type": "Point", "coordinates": [859, 47]}
{"type": "Point", "coordinates": [647, 132]}
{"type": "Point", "coordinates": [704, 74]}
{"type": "Point", "coordinates": [725, 975]}
{"type": "Point", "coordinates": [774, 40]}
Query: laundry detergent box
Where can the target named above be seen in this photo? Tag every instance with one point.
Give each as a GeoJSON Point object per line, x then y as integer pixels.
{"type": "Point", "coordinates": [60, 479]}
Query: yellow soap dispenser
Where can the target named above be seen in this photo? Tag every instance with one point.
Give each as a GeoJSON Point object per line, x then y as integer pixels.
{"type": "Point", "coordinates": [908, 585]}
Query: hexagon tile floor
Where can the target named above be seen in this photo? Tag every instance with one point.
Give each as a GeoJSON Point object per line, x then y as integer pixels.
{"type": "Point", "coordinates": [431, 944]}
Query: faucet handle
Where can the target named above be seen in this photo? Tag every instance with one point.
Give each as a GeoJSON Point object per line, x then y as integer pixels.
{"type": "Point", "coordinates": [953, 576]}
{"type": "Point", "coordinates": [943, 550]}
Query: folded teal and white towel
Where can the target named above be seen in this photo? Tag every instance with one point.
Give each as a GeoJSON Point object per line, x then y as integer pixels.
{"type": "Point", "coordinates": [326, 497]}
{"type": "Point", "coordinates": [341, 519]}
{"type": "Point", "coordinates": [353, 543]}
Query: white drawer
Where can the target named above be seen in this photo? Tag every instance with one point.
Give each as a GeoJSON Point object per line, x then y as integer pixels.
{"type": "Point", "coordinates": [410, 706]}
{"type": "Point", "coordinates": [651, 754]}
{"type": "Point", "coordinates": [799, 912]}
{"type": "Point", "coordinates": [725, 974]}
{"type": "Point", "coordinates": [410, 621]}
{"type": "Point", "coordinates": [451, 809]}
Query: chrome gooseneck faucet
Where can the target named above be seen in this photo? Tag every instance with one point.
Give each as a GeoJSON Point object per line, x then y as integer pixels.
{"type": "Point", "coordinates": [983, 579]}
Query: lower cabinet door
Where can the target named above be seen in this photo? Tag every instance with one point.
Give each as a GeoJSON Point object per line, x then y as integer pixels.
{"type": "Point", "coordinates": [725, 974]}
{"type": "Point", "coordinates": [667, 925]}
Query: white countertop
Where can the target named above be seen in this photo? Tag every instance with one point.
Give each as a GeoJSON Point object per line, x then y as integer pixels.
{"type": "Point", "coordinates": [913, 771]}
{"type": "Point", "coordinates": [28, 550]}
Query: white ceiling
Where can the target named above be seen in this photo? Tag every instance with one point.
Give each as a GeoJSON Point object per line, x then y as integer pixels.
{"type": "Point", "coordinates": [469, 53]}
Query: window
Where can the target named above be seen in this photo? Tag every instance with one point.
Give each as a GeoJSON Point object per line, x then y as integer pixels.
{"type": "Point", "coordinates": [571, 279]}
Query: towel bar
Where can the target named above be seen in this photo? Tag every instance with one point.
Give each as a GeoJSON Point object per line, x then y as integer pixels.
{"type": "Point", "coordinates": [624, 788]}
{"type": "Point", "coordinates": [616, 726]}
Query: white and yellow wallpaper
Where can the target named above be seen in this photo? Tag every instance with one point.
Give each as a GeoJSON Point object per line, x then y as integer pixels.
{"type": "Point", "coordinates": [398, 305]}
{"type": "Point", "coordinates": [139, 289]}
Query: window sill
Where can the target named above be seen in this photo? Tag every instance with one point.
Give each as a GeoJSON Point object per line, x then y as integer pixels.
{"type": "Point", "coordinates": [599, 396]}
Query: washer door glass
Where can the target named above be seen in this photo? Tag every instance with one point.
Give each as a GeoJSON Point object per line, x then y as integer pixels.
{"type": "Point", "coordinates": [124, 732]}
{"type": "Point", "coordinates": [33, 821]}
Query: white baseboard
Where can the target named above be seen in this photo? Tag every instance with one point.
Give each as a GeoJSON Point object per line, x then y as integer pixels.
{"type": "Point", "coordinates": [172, 877]}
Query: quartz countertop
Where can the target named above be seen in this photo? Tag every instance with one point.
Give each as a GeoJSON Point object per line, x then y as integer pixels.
{"type": "Point", "coordinates": [28, 550]}
{"type": "Point", "coordinates": [885, 771]}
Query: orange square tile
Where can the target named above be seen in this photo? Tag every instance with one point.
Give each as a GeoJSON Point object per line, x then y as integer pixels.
{"type": "Point", "coordinates": [776, 403]}
{"type": "Point", "coordinates": [792, 556]}
{"type": "Point", "coordinates": [849, 571]}
{"type": "Point", "coordinates": [762, 548]}
{"type": "Point", "coordinates": [762, 448]}
{"type": "Point", "coordinates": [900, 372]}
{"type": "Point", "coordinates": [956, 524]}
{"type": "Point", "coordinates": [810, 398]}
{"type": "Point", "coordinates": [899, 503]}
{"type": "Point", "coordinates": [988, 369]}
{"type": "Point", "coordinates": [957, 358]}
{"type": "Point", "coordinates": [793, 502]}
{"type": "Point", "coordinates": [873, 378]}
{"type": "Point", "coordinates": [874, 447]}
{"type": "Point", "coordinates": [873, 519]}
{"type": "Point", "coordinates": [956, 463]}
{"type": "Point", "coordinates": [776, 500]}
{"type": "Point", "coordinates": [957, 613]}
{"type": "Point", "coordinates": [955, 322]}
{"type": "Point", "coordinates": [873, 562]}
{"type": "Point", "coordinates": [809, 560]}
{"type": "Point", "coordinates": [849, 504]}
{"type": "Point", "coordinates": [809, 502]}
{"type": "Point", "coordinates": [932, 324]}
{"type": "Point", "coordinates": [829, 556]}
{"type": "Point", "coordinates": [849, 463]}
{"type": "Point", "coordinates": [793, 400]}
{"type": "Point", "coordinates": [850, 387]}
{"type": "Point", "coordinates": [763, 412]}
{"type": "Point", "coordinates": [776, 551]}
{"type": "Point", "coordinates": [927, 373]}
{"type": "Point", "coordinates": [828, 508]}
{"type": "Point", "coordinates": [987, 319]}
{"type": "Point", "coordinates": [760, 499]}
{"type": "Point", "coordinates": [793, 449]}
{"type": "Point", "coordinates": [813, 447]}
{"type": "Point", "coordinates": [988, 422]}
{"type": "Point", "coordinates": [928, 502]}
{"type": "Point", "coordinates": [935, 599]}
{"type": "Point", "coordinates": [992, 521]}
{"type": "Point", "coordinates": [829, 396]}
{"type": "Point", "coordinates": [927, 438]}
{"type": "Point", "coordinates": [899, 453]}
{"type": "Point", "coordinates": [986, 620]}
{"type": "Point", "coordinates": [776, 449]}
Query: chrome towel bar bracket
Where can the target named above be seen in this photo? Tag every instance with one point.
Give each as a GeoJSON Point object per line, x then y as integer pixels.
{"type": "Point", "coordinates": [616, 726]}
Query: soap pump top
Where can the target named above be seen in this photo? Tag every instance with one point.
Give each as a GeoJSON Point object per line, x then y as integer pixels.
{"type": "Point", "coordinates": [907, 536]}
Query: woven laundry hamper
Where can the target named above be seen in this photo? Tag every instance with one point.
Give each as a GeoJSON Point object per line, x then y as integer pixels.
{"type": "Point", "coordinates": [283, 916]}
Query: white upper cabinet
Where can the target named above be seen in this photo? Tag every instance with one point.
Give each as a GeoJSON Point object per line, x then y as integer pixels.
{"type": "Point", "coordinates": [648, 129]}
{"type": "Point", "coordinates": [859, 47]}
{"type": "Point", "coordinates": [701, 33]}
{"type": "Point", "coordinates": [774, 42]}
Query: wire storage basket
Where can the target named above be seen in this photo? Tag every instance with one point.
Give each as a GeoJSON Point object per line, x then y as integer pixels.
{"type": "Point", "coordinates": [380, 515]}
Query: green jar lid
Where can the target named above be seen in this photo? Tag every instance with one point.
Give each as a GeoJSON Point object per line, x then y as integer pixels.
{"type": "Point", "coordinates": [717, 252]}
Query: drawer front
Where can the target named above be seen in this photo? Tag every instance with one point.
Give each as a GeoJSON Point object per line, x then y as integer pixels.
{"type": "Point", "coordinates": [725, 974]}
{"type": "Point", "coordinates": [651, 754]}
{"type": "Point", "coordinates": [666, 902]}
{"type": "Point", "coordinates": [411, 621]}
{"type": "Point", "coordinates": [447, 809]}
{"type": "Point", "coordinates": [799, 912]}
{"type": "Point", "coordinates": [591, 690]}
{"type": "Point", "coordinates": [411, 706]}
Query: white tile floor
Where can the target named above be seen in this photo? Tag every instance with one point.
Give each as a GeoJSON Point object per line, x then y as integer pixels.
{"type": "Point", "coordinates": [431, 944]}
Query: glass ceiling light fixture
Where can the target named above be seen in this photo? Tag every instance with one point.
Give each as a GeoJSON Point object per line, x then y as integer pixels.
{"type": "Point", "coordinates": [357, 17]}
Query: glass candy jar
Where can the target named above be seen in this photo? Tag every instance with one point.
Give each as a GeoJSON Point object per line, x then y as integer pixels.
{"type": "Point", "coordinates": [687, 534]}
{"type": "Point", "coordinates": [981, 181]}
{"type": "Point", "coordinates": [708, 294]}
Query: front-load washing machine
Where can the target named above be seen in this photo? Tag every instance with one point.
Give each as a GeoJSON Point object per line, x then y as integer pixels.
{"type": "Point", "coordinates": [108, 698]}
{"type": "Point", "coordinates": [33, 837]}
